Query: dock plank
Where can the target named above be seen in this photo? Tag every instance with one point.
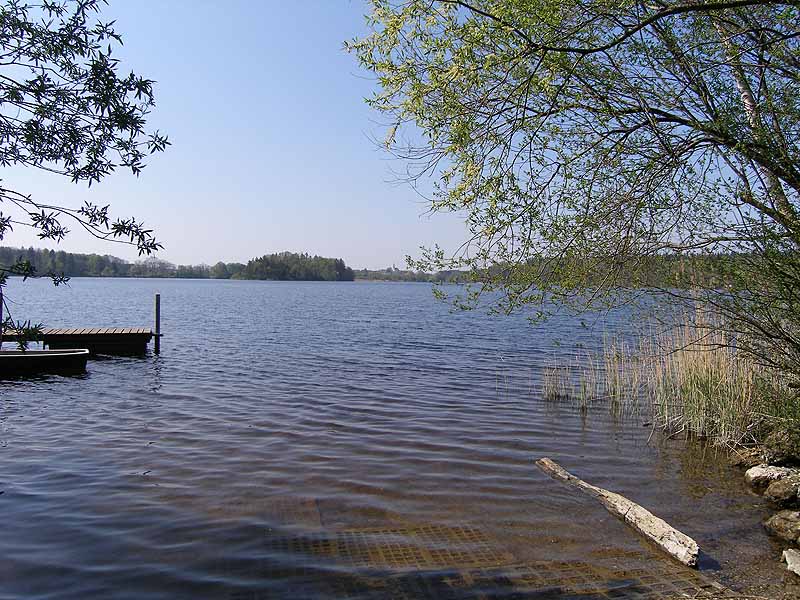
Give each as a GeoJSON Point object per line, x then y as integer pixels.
{"type": "Point", "coordinates": [100, 340]}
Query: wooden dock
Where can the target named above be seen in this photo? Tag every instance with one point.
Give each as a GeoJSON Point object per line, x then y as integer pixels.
{"type": "Point", "coordinates": [99, 340]}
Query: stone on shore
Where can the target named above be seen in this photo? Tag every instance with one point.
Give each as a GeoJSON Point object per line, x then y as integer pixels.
{"type": "Point", "coordinates": [784, 493]}
{"type": "Point", "coordinates": [760, 476]}
{"type": "Point", "coordinates": [785, 525]}
{"type": "Point", "coordinates": [792, 559]}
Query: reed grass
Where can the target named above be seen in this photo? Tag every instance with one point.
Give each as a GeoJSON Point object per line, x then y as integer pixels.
{"type": "Point", "coordinates": [690, 378]}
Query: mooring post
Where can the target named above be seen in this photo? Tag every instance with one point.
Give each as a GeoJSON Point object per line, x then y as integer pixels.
{"type": "Point", "coordinates": [157, 345]}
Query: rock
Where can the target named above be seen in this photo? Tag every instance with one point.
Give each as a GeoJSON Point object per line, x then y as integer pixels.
{"type": "Point", "coordinates": [781, 448]}
{"type": "Point", "coordinates": [747, 457]}
{"type": "Point", "coordinates": [759, 477]}
{"type": "Point", "coordinates": [784, 493]}
{"type": "Point", "coordinates": [792, 560]}
{"type": "Point", "coordinates": [785, 525]}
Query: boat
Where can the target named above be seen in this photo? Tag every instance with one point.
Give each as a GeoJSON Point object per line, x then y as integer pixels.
{"type": "Point", "coordinates": [25, 362]}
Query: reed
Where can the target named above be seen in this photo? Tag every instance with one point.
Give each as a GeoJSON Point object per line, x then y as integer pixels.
{"type": "Point", "coordinates": [690, 378]}
{"type": "Point", "coordinates": [698, 382]}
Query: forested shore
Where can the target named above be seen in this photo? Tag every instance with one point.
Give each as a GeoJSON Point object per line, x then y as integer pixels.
{"type": "Point", "coordinates": [282, 266]}
{"type": "Point", "coordinates": [653, 271]}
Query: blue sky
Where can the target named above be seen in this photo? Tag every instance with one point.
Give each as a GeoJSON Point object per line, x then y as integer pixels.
{"type": "Point", "coordinates": [271, 140]}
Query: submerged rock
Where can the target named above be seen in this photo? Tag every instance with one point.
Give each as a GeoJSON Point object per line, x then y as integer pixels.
{"type": "Point", "coordinates": [785, 525]}
{"type": "Point", "coordinates": [792, 560]}
{"type": "Point", "coordinates": [760, 476]}
{"type": "Point", "coordinates": [784, 493]}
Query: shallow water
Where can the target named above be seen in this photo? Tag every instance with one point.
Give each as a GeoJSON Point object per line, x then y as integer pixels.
{"type": "Point", "coordinates": [327, 440]}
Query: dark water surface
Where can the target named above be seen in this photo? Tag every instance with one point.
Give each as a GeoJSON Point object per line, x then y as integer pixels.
{"type": "Point", "coordinates": [304, 440]}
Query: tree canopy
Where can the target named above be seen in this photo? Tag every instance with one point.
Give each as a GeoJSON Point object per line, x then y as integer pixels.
{"type": "Point", "coordinates": [280, 266]}
{"type": "Point", "coordinates": [67, 107]}
{"type": "Point", "coordinates": [580, 137]}
{"type": "Point", "coordinates": [291, 266]}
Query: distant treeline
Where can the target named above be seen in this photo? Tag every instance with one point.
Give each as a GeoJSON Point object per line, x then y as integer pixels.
{"type": "Point", "coordinates": [653, 271]}
{"type": "Point", "coordinates": [661, 271]}
{"type": "Point", "coordinates": [285, 266]}
{"type": "Point", "coordinates": [395, 274]}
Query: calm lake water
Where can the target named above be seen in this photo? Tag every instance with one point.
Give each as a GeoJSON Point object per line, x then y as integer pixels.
{"type": "Point", "coordinates": [321, 440]}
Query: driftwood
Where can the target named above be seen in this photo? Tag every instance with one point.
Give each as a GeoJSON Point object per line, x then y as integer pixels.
{"type": "Point", "coordinates": [672, 541]}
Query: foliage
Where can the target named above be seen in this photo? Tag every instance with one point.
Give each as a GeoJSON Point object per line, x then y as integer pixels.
{"type": "Point", "coordinates": [395, 274]}
{"type": "Point", "coordinates": [289, 266]}
{"type": "Point", "coordinates": [580, 138]}
{"type": "Point", "coordinates": [63, 265]}
{"type": "Point", "coordinates": [66, 108]}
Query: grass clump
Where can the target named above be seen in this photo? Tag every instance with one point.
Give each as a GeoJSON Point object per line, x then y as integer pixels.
{"type": "Point", "coordinates": [692, 379]}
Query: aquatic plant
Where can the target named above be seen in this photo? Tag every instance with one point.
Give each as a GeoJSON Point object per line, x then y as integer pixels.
{"type": "Point", "coordinates": [689, 378]}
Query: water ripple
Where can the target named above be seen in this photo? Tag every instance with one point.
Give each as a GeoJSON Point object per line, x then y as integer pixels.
{"type": "Point", "coordinates": [320, 408]}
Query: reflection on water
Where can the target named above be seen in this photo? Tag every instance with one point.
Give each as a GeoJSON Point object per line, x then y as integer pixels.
{"type": "Point", "coordinates": [334, 440]}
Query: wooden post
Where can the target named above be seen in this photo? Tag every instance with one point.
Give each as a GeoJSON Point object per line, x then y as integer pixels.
{"type": "Point", "coordinates": [157, 345]}
{"type": "Point", "coordinates": [1, 317]}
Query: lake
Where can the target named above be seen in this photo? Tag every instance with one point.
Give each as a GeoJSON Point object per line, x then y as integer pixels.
{"type": "Point", "coordinates": [331, 440]}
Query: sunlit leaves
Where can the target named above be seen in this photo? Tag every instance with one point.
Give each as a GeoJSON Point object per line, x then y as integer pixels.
{"type": "Point", "coordinates": [580, 139]}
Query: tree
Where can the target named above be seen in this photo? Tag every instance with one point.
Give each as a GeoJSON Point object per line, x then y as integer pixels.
{"type": "Point", "coordinates": [67, 108]}
{"type": "Point", "coordinates": [582, 138]}
{"type": "Point", "coordinates": [220, 271]}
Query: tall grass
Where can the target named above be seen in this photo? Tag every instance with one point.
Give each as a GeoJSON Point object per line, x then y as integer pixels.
{"type": "Point", "coordinates": [690, 378]}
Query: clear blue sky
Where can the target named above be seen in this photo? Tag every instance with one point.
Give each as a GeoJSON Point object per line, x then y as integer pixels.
{"type": "Point", "coordinates": [270, 137]}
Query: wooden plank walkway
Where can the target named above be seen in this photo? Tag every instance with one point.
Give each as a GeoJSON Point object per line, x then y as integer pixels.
{"type": "Point", "coordinates": [99, 340]}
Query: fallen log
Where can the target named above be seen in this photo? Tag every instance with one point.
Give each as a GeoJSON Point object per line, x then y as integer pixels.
{"type": "Point", "coordinates": [672, 541]}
